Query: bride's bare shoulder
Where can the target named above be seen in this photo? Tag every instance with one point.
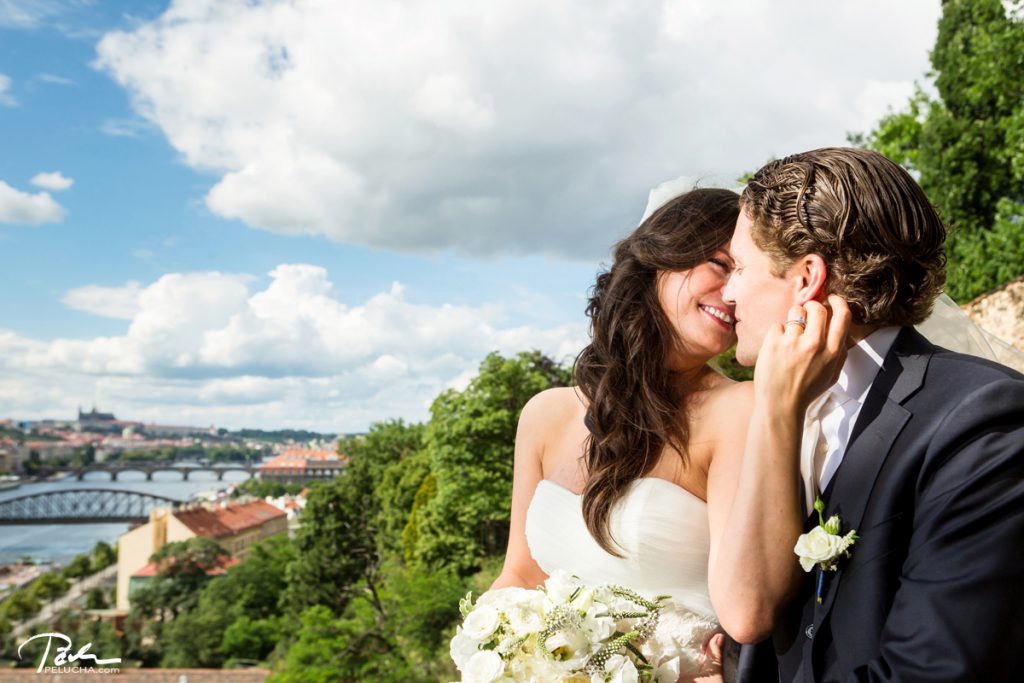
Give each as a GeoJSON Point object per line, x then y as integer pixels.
{"type": "Point", "coordinates": [553, 406]}
{"type": "Point", "coordinates": [729, 402]}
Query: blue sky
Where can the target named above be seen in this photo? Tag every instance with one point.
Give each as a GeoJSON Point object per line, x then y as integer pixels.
{"type": "Point", "coordinates": [320, 214]}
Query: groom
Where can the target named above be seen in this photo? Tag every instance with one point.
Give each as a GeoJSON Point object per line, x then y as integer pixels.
{"type": "Point", "coordinates": [920, 450]}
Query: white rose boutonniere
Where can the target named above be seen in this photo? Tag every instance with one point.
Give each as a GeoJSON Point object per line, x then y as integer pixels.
{"type": "Point", "coordinates": [824, 545]}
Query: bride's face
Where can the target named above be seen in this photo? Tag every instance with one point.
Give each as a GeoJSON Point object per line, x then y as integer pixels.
{"type": "Point", "coordinates": [692, 302]}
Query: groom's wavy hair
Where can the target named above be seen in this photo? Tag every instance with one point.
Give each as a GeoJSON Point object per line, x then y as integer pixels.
{"type": "Point", "coordinates": [880, 237]}
{"type": "Point", "coordinates": [635, 404]}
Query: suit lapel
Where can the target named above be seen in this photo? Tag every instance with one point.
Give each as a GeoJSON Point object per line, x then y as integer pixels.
{"type": "Point", "coordinates": [880, 422]}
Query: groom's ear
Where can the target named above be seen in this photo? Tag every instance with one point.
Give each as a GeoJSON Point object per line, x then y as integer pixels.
{"type": "Point", "coordinates": [810, 273]}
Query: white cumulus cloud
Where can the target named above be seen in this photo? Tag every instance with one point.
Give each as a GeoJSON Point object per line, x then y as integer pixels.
{"type": "Point", "coordinates": [28, 209]}
{"type": "Point", "coordinates": [108, 302]}
{"type": "Point", "coordinates": [220, 347]}
{"type": "Point", "coordinates": [501, 127]}
{"type": "Point", "coordinates": [54, 180]}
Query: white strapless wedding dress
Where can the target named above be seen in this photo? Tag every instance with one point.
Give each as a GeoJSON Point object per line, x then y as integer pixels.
{"type": "Point", "coordinates": [662, 530]}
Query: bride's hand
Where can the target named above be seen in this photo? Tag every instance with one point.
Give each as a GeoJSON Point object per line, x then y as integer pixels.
{"type": "Point", "coordinates": [710, 662]}
{"type": "Point", "coordinates": [797, 362]}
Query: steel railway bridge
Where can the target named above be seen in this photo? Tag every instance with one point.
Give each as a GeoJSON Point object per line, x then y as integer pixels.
{"type": "Point", "coordinates": [81, 506]}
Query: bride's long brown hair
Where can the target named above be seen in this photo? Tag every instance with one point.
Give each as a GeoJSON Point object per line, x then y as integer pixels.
{"type": "Point", "coordinates": [635, 403]}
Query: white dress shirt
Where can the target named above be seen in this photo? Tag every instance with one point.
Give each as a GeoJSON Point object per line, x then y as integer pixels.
{"type": "Point", "coordinates": [863, 362]}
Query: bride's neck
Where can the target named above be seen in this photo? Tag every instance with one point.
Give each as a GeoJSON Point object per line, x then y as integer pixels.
{"type": "Point", "coordinates": [693, 377]}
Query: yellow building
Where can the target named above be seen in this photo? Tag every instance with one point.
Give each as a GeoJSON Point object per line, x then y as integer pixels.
{"type": "Point", "coordinates": [235, 527]}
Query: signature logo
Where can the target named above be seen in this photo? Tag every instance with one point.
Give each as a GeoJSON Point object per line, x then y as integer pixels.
{"type": "Point", "coordinates": [64, 655]}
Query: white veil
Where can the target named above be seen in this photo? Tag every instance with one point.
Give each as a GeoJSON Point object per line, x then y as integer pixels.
{"type": "Point", "coordinates": [948, 326]}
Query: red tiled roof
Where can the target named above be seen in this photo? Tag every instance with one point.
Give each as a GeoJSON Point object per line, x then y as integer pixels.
{"type": "Point", "coordinates": [203, 522]}
{"type": "Point", "coordinates": [310, 454]}
{"type": "Point", "coordinates": [247, 515]}
{"type": "Point", "coordinates": [223, 563]}
{"type": "Point", "coordinates": [284, 462]}
{"type": "Point", "coordinates": [229, 520]}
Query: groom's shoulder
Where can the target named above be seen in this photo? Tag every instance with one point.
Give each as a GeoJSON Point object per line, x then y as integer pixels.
{"type": "Point", "coordinates": [952, 371]}
{"type": "Point", "coordinates": [966, 371]}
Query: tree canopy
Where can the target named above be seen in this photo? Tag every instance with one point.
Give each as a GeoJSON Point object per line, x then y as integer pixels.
{"type": "Point", "coordinates": [966, 142]}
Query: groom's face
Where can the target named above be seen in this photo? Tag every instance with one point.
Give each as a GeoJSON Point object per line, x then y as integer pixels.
{"type": "Point", "coordinates": [760, 297]}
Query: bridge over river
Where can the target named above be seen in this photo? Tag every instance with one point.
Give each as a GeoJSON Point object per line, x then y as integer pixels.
{"type": "Point", "coordinates": [149, 467]}
{"type": "Point", "coordinates": [82, 506]}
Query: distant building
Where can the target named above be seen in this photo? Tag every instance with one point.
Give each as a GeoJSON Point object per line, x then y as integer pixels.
{"type": "Point", "coordinates": [176, 431]}
{"type": "Point", "coordinates": [11, 456]}
{"type": "Point", "coordinates": [235, 527]}
{"type": "Point", "coordinates": [95, 421]}
{"type": "Point", "coordinates": [300, 466]}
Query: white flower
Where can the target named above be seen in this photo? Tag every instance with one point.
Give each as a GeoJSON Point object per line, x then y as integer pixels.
{"type": "Point", "coordinates": [505, 598]}
{"type": "Point", "coordinates": [536, 668]}
{"type": "Point", "coordinates": [569, 646]}
{"type": "Point", "coordinates": [462, 648]}
{"type": "Point", "coordinates": [622, 669]}
{"type": "Point", "coordinates": [601, 627]}
{"type": "Point", "coordinates": [560, 586]}
{"type": "Point", "coordinates": [524, 621]}
{"type": "Point", "coordinates": [485, 666]}
{"type": "Point", "coordinates": [481, 623]}
{"type": "Point", "coordinates": [817, 546]}
{"type": "Point", "coordinates": [667, 672]}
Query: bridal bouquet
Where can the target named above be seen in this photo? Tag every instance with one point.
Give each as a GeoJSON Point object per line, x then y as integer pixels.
{"type": "Point", "coordinates": [562, 631]}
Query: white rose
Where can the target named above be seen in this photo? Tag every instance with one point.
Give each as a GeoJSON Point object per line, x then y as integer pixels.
{"type": "Point", "coordinates": [560, 586]}
{"type": "Point", "coordinates": [508, 597]}
{"type": "Point", "coordinates": [485, 666]}
{"type": "Point", "coordinates": [622, 669]}
{"type": "Point", "coordinates": [570, 647]}
{"type": "Point", "coordinates": [536, 668]}
{"type": "Point", "coordinates": [524, 621]}
{"type": "Point", "coordinates": [816, 546]}
{"type": "Point", "coordinates": [601, 627]}
{"type": "Point", "coordinates": [481, 623]}
{"type": "Point", "coordinates": [462, 648]}
{"type": "Point", "coordinates": [667, 672]}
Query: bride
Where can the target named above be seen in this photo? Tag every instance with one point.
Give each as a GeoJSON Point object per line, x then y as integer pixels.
{"type": "Point", "coordinates": [630, 476]}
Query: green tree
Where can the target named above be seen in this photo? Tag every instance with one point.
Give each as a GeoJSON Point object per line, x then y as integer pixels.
{"type": "Point", "coordinates": [33, 464]}
{"type": "Point", "coordinates": [20, 606]}
{"type": "Point", "coordinates": [183, 568]}
{"type": "Point", "coordinates": [252, 639]}
{"type": "Point", "coordinates": [103, 555]}
{"type": "Point", "coordinates": [95, 599]}
{"type": "Point", "coordinates": [49, 586]}
{"type": "Point", "coordinates": [405, 642]}
{"type": "Point", "coordinates": [262, 488]}
{"type": "Point", "coordinates": [336, 543]}
{"type": "Point", "coordinates": [85, 455]}
{"type": "Point", "coordinates": [340, 541]}
{"type": "Point", "coordinates": [391, 454]}
{"type": "Point", "coordinates": [249, 591]}
{"type": "Point", "coordinates": [967, 144]}
{"type": "Point", "coordinates": [79, 567]}
{"type": "Point", "coordinates": [470, 442]}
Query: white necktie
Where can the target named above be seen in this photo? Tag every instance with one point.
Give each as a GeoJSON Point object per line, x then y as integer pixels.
{"type": "Point", "coordinates": [814, 448]}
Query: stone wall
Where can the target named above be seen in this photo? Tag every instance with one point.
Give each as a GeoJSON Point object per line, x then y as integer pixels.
{"type": "Point", "coordinates": [1001, 314]}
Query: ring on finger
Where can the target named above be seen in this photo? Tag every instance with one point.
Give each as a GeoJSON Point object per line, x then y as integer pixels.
{"type": "Point", "coordinates": [801, 321]}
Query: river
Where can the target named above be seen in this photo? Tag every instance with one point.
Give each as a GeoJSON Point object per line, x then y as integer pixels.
{"type": "Point", "coordinates": [61, 542]}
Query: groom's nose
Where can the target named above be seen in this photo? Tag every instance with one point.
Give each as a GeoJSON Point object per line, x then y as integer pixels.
{"type": "Point", "coordinates": [728, 292]}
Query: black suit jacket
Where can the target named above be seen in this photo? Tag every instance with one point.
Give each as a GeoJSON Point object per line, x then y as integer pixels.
{"type": "Point", "coordinates": [933, 481]}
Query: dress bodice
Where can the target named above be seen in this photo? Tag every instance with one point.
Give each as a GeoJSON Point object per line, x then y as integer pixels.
{"type": "Point", "coordinates": [662, 532]}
